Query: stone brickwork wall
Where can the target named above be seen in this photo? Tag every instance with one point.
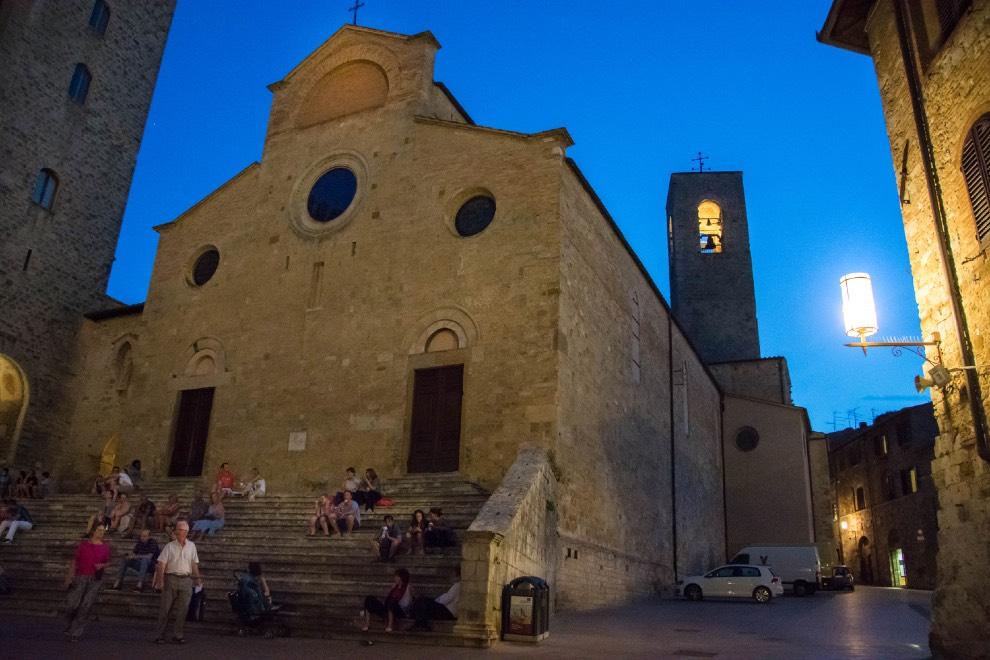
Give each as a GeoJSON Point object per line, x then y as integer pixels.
{"type": "Point", "coordinates": [956, 87]}
{"type": "Point", "coordinates": [873, 458]}
{"type": "Point", "coordinates": [823, 501]}
{"type": "Point", "coordinates": [515, 534]}
{"type": "Point", "coordinates": [767, 378]}
{"type": "Point", "coordinates": [616, 375]}
{"type": "Point", "coordinates": [92, 148]}
{"type": "Point", "coordinates": [712, 295]}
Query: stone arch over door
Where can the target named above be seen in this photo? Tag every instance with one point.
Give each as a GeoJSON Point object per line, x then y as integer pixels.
{"type": "Point", "coordinates": [453, 319]}
{"type": "Point", "coordinates": [15, 394]}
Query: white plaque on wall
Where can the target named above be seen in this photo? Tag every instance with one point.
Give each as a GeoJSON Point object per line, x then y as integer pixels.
{"type": "Point", "coordinates": [297, 441]}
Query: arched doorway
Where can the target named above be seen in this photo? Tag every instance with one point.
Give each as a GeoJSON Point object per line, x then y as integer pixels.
{"type": "Point", "coordinates": [865, 561]}
{"type": "Point", "coordinates": [14, 394]}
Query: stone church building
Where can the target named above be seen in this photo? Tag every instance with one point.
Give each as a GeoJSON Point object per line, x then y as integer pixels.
{"type": "Point", "coordinates": [395, 286]}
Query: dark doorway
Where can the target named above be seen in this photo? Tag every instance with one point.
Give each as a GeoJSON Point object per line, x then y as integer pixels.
{"type": "Point", "coordinates": [435, 442]}
{"type": "Point", "coordinates": [191, 431]}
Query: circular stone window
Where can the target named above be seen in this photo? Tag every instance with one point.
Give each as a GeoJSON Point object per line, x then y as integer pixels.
{"type": "Point", "coordinates": [205, 266]}
{"type": "Point", "coordinates": [332, 193]}
{"type": "Point", "coordinates": [747, 438]}
{"type": "Point", "coordinates": [475, 215]}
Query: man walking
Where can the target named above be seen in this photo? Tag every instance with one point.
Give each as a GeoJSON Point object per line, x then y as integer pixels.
{"type": "Point", "coordinates": [85, 576]}
{"type": "Point", "coordinates": [177, 566]}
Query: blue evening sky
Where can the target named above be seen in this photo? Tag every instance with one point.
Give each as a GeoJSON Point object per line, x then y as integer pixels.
{"type": "Point", "coordinates": [641, 86]}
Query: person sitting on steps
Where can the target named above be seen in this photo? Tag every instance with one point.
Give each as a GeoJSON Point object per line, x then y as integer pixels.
{"type": "Point", "coordinates": [370, 490]}
{"type": "Point", "coordinates": [351, 483]}
{"type": "Point", "coordinates": [397, 605]}
{"type": "Point", "coordinates": [254, 488]}
{"type": "Point", "coordinates": [225, 480]}
{"type": "Point", "coordinates": [441, 608]}
{"type": "Point", "coordinates": [346, 516]}
{"type": "Point", "coordinates": [438, 534]}
{"type": "Point", "coordinates": [414, 535]}
{"type": "Point", "coordinates": [322, 513]}
{"type": "Point", "coordinates": [144, 515]}
{"type": "Point", "coordinates": [103, 515]}
{"type": "Point", "coordinates": [142, 557]}
{"type": "Point", "coordinates": [387, 543]}
{"type": "Point", "coordinates": [167, 514]}
{"type": "Point", "coordinates": [120, 517]}
{"type": "Point", "coordinates": [212, 522]}
{"type": "Point", "coordinates": [17, 518]}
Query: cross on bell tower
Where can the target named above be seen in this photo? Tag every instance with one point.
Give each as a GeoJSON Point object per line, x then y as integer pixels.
{"type": "Point", "coordinates": [701, 163]}
{"type": "Point", "coordinates": [354, 10]}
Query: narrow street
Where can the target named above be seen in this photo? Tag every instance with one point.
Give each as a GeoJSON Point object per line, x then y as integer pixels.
{"type": "Point", "coordinates": [875, 623]}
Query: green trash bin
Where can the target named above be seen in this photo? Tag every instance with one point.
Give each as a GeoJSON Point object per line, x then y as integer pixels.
{"type": "Point", "coordinates": [526, 610]}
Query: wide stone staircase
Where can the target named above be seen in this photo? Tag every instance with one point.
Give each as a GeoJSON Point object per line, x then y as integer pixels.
{"type": "Point", "coordinates": [321, 581]}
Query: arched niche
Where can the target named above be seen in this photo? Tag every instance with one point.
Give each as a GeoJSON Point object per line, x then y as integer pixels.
{"type": "Point", "coordinates": [348, 88]}
{"type": "Point", "coordinates": [123, 361]}
{"type": "Point", "coordinates": [14, 397]}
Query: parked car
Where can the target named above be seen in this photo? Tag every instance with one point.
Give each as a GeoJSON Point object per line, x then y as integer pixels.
{"type": "Point", "coordinates": [737, 581]}
{"type": "Point", "coordinates": [798, 566]}
{"type": "Point", "coordinates": [841, 578]}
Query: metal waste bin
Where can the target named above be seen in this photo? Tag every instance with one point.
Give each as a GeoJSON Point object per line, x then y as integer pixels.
{"type": "Point", "coordinates": [526, 610]}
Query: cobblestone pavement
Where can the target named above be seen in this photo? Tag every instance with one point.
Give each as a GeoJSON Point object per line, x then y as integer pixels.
{"type": "Point", "coordinates": [872, 623]}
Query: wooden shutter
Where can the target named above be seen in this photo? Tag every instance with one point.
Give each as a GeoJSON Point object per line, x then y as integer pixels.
{"type": "Point", "coordinates": [976, 171]}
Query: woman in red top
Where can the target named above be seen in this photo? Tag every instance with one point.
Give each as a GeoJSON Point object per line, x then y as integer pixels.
{"type": "Point", "coordinates": [225, 480]}
{"type": "Point", "coordinates": [397, 605]}
{"type": "Point", "coordinates": [85, 576]}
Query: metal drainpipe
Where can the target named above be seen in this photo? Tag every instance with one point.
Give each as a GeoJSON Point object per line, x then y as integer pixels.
{"type": "Point", "coordinates": [673, 439]}
{"type": "Point", "coordinates": [942, 229]}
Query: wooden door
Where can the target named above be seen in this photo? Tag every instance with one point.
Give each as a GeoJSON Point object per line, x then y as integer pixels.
{"type": "Point", "coordinates": [191, 431]}
{"type": "Point", "coordinates": [435, 442]}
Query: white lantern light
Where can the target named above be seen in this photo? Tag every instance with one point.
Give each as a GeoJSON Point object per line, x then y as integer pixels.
{"type": "Point", "coordinates": [859, 311]}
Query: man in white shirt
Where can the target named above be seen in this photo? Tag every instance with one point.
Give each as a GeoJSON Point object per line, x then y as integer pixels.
{"type": "Point", "coordinates": [442, 608]}
{"type": "Point", "coordinates": [178, 565]}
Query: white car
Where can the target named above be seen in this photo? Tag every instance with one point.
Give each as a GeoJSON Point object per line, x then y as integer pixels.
{"type": "Point", "coordinates": [736, 581]}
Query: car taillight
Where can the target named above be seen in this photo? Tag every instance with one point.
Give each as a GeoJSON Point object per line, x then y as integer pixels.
{"type": "Point", "coordinates": [775, 580]}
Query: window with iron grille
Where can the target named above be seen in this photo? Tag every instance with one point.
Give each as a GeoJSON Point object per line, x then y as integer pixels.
{"type": "Point", "coordinates": [976, 171]}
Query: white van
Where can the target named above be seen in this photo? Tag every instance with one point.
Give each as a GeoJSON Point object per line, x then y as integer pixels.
{"type": "Point", "coordinates": [798, 566]}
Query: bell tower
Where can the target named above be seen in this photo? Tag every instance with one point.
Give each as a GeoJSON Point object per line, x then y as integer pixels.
{"type": "Point", "coordinates": [711, 272]}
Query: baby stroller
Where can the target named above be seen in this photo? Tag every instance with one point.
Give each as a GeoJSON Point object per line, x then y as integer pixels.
{"type": "Point", "coordinates": [254, 615]}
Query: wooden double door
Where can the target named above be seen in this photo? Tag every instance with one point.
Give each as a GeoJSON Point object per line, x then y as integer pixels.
{"type": "Point", "coordinates": [435, 434]}
{"type": "Point", "coordinates": [192, 428]}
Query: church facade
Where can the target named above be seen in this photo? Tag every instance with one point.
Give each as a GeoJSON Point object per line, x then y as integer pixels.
{"type": "Point", "coordinates": [395, 286]}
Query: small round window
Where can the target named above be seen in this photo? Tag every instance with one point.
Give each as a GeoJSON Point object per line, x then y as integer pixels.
{"type": "Point", "coordinates": [475, 215]}
{"type": "Point", "coordinates": [747, 438]}
{"type": "Point", "coordinates": [205, 266]}
{"type": "Point", "coordinates": [331, 194]}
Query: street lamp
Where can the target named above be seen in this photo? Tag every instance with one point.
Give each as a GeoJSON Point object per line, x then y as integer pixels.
{"type": "Point", "coordinates": [859, 315]}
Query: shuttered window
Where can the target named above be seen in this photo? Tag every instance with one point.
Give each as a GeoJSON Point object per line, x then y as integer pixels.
{"type": "Point", "coordinates": [976, 170]}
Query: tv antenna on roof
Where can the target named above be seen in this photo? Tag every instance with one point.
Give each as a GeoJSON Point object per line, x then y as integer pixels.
{"type": "Point", "coordinates": [701, 163]}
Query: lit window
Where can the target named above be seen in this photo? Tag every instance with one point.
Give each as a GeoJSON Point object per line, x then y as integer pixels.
{"type": "Point", "coordinates": [909, 481]}
{"type": "Point", "coordinates": [45, 187]}
{"type": "Point", "coordinates": [880, 445]}
{"type": "Point", "coordinates": [976, 171]}
{"type": "Point", "coordinates": [79, 87]}
{"type": "Point", "coordinates": [710, 227]}
{"type": "Point", "coordinates": [100, 17]}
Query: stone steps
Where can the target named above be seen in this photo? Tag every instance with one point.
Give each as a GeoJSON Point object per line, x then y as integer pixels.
{"type": "Point", "coordinates": [321, 581]}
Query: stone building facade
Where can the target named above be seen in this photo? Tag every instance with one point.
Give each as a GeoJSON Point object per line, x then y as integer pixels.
{"type": "Point", "coordinates": [75, 87]}
{"type": "Point", "coordinates": [932, 60]}
{"type": "Point", "coordinates": [395, 286]}
{"type": "Point", "coordinates": [885, 498]}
